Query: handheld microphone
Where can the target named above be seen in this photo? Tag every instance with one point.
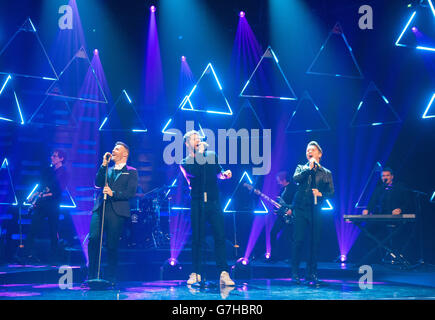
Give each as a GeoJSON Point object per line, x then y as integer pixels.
{"type": "Point", "coordinates": [108, 156]}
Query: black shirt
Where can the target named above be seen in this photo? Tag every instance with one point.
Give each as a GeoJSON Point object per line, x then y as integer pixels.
{"type": "Point", "coordinates": [55, 180]}
{"type": "Point", "coordinates": [202, 177]}
{"type": "Point", "coordinates": [287, 193]}
{"type": "Point", "coordinates": [307, 179]}
{"type": "Point", "coordinates": [387, 198]}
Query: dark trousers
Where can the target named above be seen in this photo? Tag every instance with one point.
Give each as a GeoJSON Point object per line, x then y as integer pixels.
{"type": "Point", "coordinates": [113, 224]}
{"type": "Point", "coordinates": [306, 220]}
{"type": "Point", "coordinates": [200, 213]}
{"type": "Point", "coordinates": [45, 209]}
{"type": "Point", "coordinates": [281, 245]}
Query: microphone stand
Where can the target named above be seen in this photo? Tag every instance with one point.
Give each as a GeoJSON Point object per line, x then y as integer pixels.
{"type": "Point", "coordinates": [101, 284]}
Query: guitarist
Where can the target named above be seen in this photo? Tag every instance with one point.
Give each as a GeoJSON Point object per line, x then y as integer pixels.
{"type": "Point", "coordinates": [314, 184]}
{"type": "Point", "coordinates": [280, 226]}
{"type": "Point", "coordinates": [46, 203]}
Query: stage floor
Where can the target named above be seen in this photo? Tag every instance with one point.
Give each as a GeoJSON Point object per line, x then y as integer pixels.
{"type": "Point", "coordinates": [255, 289]}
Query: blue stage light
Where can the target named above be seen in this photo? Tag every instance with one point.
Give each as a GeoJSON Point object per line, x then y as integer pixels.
{"type": "Point", "coordinates": [425, 116]}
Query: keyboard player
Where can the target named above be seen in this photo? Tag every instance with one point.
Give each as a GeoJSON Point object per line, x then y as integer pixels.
{"type": "Point", "coordinates": [389, 197]}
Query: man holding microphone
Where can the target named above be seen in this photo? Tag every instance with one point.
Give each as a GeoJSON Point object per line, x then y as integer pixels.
{"type": "Point", "coordinates": [201, 170]}
{"type": "Point", "coordinates": [314, 185]}
{"type": "Point", "coordinates": [121, 186]}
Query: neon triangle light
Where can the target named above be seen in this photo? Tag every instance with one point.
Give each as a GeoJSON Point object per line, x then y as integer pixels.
{"type": "Point", "coordinates": [425, 113]}
{"type": "Point", "coordinates": [8, 93]}
{"type": "Point", "coordinates": [187, 104]}
{"type": "Point", "coordinates": [4, 193]}
{"type": "Point", "coordinates": [262, 210]}
{"type": "Point", "coordinates": [372, 87]}
{"type": "Point", "coordinates": [359, 205]}
{"type": "Point", "coordinates": [247, 106]}
{"type": "Point", "coordinates": [66, 195]}
{"type": "Point", "coordinates": [336, 31]}
{"type": "Point", "coordinates": [329, 207]}
{"type": "Point", "coordinates": [413, 17]}
{"type": "Point", "coordinates": [11, 63]}
{"type": "Point", "coordinates": [53, 112]}
{"type": "Point", "coordinates": [116, 111]}
{"type": "Point", "coordinates": [60, 89]}
{"type": "Point", "coordinates": [306, 96]}
{"type": "Point", "coordinates": [268, 54]}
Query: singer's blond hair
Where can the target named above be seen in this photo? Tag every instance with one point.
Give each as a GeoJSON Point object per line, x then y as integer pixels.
{"type": "Point", "coordinates": [189, 134]}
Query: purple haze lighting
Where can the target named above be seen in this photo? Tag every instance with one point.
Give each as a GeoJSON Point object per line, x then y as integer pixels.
{"type": "Point", "coordinates": [242, 14]}
{"type": "Point", "coordinates": [153, 9]}
{"type": "Point", "coordinates": [153, 73]}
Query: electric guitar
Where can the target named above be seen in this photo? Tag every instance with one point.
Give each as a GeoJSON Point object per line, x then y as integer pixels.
{"type": "Point", "coordinates": [36, 198]}
{"type": "Point", "coordinates": [281, 208]}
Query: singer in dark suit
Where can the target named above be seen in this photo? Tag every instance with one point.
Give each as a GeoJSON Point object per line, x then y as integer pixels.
{"type": "Point", "coordinates": [121, 186]}
{"type": "Point", "coordinates": [314, 185]}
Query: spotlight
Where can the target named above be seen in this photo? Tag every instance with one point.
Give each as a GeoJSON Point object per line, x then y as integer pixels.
{"type": "Point", "coordinates": [267, 255]}
{"type": "Point", "coordinates": [183, 58]}
{"type": "Point", "coordinates": [343, 258]}
{"type": "Point", "coordinates": [414, 29]}
{"type": "Point", "coordinates": [242, 14]}
{"type": "Point", "coordinates": [153, 9]}
{"type": "Point", "coordinates": [242, 269]}
{"type": "Point", "coordinates": [172, 262]}
{"type": "Point", "coordinates": [96, 52]}
{"type": "Point", "coordinates": [243, 261]}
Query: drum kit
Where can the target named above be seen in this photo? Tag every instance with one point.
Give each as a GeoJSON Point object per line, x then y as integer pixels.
{"type": "Point", "coordinates": [146, 228]}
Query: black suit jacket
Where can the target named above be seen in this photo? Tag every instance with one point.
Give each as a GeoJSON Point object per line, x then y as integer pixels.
{"type": "Point", "coordinates": [123, 185]}
{"type": "Point", "coordinates": [306, 180]}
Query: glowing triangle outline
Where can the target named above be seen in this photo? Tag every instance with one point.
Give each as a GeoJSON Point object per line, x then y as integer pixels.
{"type": "Point", "coordinates": [80, 54]}
{"type": "Point", "coordinates": [74, 120]}
{"type": "Point", "coordinates": [337, 25]}
{"type": "Point", "coordinates": [264, 210]}
{"type": "Point", "coordinates": [269, 51]}
{"type": "Point", "coordinates": [372, 87]}
{"type": "Point", "coordinates": [307, 96]}
{"type": "Point", "coordinates": [17, 103]}
{"type": "Point", "coordinates": [127, 97]}
{"type": "Point", "coordinates": [25, 203]}
{"type": "Point", "coordinates": [398, 44]}
{"type": "Point", "coordinates": [377, 167]}
{"type": "Point", "coordinates": [246, 105]}
{"type": "Point", "coordinates": [192, 108]}
{"type": "Point", "coordinates": [22, 29]}
{"type": "Point", "coordinates": [5, 165]}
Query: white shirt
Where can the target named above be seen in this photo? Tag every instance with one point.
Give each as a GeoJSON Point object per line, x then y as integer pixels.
{"type": "Point", "coordinates": [119, 166]}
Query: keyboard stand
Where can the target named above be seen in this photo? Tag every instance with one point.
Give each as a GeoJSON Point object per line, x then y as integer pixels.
{"type": "Point", "coordinates": [382, 244]}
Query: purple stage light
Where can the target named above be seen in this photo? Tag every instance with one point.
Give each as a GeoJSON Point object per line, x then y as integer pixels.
{"type": "Point", "coordinates": [242, 14]}
{"type": "Point", "coordinates": [267, 255]}
{"type": "Point", "coordinates": [414, 29]}
{"type": "Point", "coordinates": [153, 9]}
{"type": "Point", "coordinates": [343, 258]}
{"type": "Point", "coordinates": [96, 52]}
{"type": "Point", "coordinates": [172, 262]}
{"type": "Point", "coordinates": [183, 58]}
{"type": "Point", "coordinates": [243, 261]}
